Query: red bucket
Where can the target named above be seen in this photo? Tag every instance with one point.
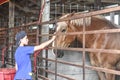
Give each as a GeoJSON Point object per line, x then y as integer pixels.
{"type": "Point", "coordinates": [7, 73]}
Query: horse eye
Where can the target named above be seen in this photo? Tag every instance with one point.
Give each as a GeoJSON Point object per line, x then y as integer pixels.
{"type": "Point", "coordinates": [63, 30]}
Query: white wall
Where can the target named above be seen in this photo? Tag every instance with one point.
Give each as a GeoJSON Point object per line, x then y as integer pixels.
{"type": "Point", "coordinates": [71, 71]}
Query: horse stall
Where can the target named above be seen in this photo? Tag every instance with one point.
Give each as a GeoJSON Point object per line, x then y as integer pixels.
{"type": "Point", "coordinates": [73, 55]}
{"type": "Point", "coordinates": [74, 63]}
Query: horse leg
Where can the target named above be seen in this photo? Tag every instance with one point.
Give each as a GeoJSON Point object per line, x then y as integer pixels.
{"type": "Point", "coordinates": [94, 61]}
{"type": "Point", "coordinates": [101, 75]}
{"type": "Point", "coordinates": [117, 77]}
{"type": "Point", "coordinates": [110, 76]}
{"type": "Point", "coordinates": [106, 76]}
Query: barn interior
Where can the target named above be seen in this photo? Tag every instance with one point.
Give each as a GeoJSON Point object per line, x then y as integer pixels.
{"type": "Point", "coordinates": [16, 15]}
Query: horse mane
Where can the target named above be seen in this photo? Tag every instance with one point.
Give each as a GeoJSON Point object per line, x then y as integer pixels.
{"type": "Point", "coordinates": [87, 21]}
{"type": "Point", "coordinates": [81, 21]}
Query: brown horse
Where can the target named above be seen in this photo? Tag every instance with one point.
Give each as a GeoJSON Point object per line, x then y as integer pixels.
{"type": "Point", "coordinates": [95, 41]}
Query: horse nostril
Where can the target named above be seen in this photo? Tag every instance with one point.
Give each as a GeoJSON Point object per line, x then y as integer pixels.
{"type": "Point", "coordinates": [59, 53]}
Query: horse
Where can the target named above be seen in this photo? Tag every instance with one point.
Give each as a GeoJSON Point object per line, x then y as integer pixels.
{"type": "Point", "coordinates": [95, 41]}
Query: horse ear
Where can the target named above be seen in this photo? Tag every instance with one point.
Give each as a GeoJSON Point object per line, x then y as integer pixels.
{"type": "Point", "coordinates": [69, 21]}
{"type": "Point", "coordinates": [71, 14]}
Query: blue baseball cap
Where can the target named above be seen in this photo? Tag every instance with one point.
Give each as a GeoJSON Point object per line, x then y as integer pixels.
{"type": "Point", "coordinates": [19, 36]}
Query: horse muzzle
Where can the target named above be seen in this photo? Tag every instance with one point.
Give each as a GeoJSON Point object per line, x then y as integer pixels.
{"type": "Point", "coordinates": [59, 53]}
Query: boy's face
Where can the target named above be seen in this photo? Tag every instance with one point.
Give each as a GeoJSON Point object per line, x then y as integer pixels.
{"type": "Point", "coordinates": [24, 40]}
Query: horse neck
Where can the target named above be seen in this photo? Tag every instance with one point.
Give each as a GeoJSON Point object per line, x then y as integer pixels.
{"type": "Point", "coordinates": [96, 24]}
{"type": "Point", "coordinates": [89, 38]}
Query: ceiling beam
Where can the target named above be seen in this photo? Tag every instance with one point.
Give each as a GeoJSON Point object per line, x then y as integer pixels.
{"type": "Point", "coordinates": [25, 9]}
{"type": "Point", "coordinates": [33, 1]}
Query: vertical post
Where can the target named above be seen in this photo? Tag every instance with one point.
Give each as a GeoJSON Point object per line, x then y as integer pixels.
{"type": "Point", "coordinates": [83, 57]}
{"type": "Point", "coordinates": [97, 4]}
{"type": "Point", "coordinates": [63, 8]}
{"type": "Point", "coordinates": [119, 18]}
{"type": "Point", "coordinates": [37, 43]}
{"type": "Point", "coordinates": [46, 62]}
{"type": "Point", "coordinates": [11, 14]}
{"type": "Point", "coordinates": [55, 51]}
{"type": "Point", "coordinates": [112, 16]}
{"type": "Point", "coordinates": [55, 10]}
{"type": "Point", "coordinates": [45, 28]}
{"type": "Point", "coordinates": [70, 7]}
{"type": "Point", "coordinates": [77, 7]}
{"type": "Point", "coordinates": [11, 24]}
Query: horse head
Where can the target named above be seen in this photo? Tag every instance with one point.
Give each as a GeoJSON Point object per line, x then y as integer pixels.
{"type": "Point", "coordinates": [63, 40]}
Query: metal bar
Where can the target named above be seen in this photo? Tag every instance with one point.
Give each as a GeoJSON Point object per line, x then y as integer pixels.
{"type": "Point", "coordinates": [37, 42]}
{"type": "Point", "coordinates": [58, 74]}
{"type": "Point", "coordinates": [56, 65]}
{"type": "Point", "coordinates": [42, 77]}
{"type": "Point", "coordinates": [103, 31]}
{"type": "Point", "coordinates": [56, 6]}
{"type": "Point", "coordinates": [77, 7]}
{"type": "Point", "coordinates": [83, 57]}
{"type": "Point", "coordinates": [46, 62]}
{"type": "Point", "coordinates": [63, 8]}
{"type": "Point", "coordinates": [89, 50]}
{"type": "Point", "coordinates": [70, 8]}
{"type": "Point", "coordinates": [37, 36]}
{"type": "Point", "coordinates": [118, 18]}
{"type": "Point", "coordinates": [86, 32]}
{"type": "Point", "coordinates": [87, 67]}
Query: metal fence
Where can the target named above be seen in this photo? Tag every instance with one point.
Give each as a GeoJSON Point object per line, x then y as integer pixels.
{"type": "Point", "coordinates": [42, 70]}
